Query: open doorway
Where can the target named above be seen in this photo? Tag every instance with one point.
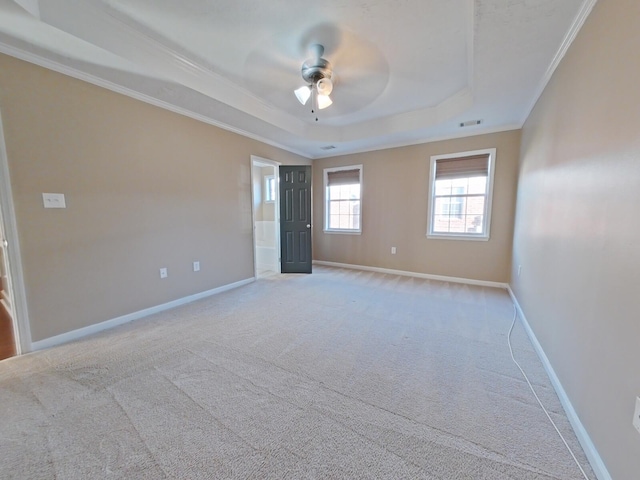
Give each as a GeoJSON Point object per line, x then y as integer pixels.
{"type": "Point", "coordinates": [14, 327]}
{"type": "Point", "coordinates": [7, 335]}
{"type": "Point", "coordinates": [266, 212]}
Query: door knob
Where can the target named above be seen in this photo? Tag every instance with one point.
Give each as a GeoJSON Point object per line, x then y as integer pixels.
{"type": "Point", "coordinates": [308, 225]}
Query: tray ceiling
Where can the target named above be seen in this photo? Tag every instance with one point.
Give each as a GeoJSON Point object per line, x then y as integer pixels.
{"type": "Point", "coordinates": [408, 71]}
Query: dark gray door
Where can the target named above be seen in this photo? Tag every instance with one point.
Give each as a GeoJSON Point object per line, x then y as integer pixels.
{"type": "Point", "coordinates": [295, 219]}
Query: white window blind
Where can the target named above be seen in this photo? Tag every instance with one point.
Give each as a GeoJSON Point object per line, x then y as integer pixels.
{"type": "Point", "coordinates": [343, 177]}
{"type": "Point", "coordinates": [475, 166]}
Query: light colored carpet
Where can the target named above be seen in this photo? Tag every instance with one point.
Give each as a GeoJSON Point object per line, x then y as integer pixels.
{"type": "Point", "coordinates": [338, 374]}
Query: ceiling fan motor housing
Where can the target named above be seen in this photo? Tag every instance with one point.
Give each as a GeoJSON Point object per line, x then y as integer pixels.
{"type": "Point", "coordinates": [315, 70]}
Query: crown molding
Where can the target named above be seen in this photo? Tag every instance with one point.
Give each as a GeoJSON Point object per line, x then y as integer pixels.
{"type": "Point", "coordinates": [578, 22]}
{"type": "Point", "coordinates": [411, 143]}
{"type": "Point", "coordinates": [135, 42]}
{"type": "Point", "coordinates": [58, 67]}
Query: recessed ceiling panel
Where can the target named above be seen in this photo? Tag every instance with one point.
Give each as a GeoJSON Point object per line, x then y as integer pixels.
{"type": "Point", "coordinates": [262, 46]}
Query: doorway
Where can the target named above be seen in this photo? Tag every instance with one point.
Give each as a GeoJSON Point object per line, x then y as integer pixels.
{"type": "Point", "coordinates": [15, 337]}
{"type": "Point", "coordinates": [266, 221]}
{"type": "Point", "coordinates": [7, 335]}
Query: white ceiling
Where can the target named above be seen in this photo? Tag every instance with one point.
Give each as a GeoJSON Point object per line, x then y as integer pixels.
{"type": "Point", "coordinates": [407, 71]}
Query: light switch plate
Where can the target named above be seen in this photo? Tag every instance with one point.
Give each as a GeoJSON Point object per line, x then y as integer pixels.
{"type": "Point", "coordinates": [196, 266]}
{"type": "Point", "coordinates": [636, 415]}
{"type": "Point", "coordinates": [53, 200]}
{"type": "Point", "coordinates": [163, 272]}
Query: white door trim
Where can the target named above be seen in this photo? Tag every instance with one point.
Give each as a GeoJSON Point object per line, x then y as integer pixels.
{"type": "Point", "coordinates": [259, 160]}
{"type": "Point", "coordinates": [17, 290]}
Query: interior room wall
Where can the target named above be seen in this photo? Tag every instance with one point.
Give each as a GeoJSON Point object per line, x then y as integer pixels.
{"type": "Point", "coordinates": [577, 234]}
{"type": "Point", "coordinates": [394, 212]}
{"type": "Point", "coordinates": [145, 188]}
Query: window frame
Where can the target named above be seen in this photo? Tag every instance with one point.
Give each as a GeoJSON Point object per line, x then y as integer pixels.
{"type": "Point", "coordinates": [267, 179]}
{"type": "Point", "coordinates": [344, 231]}
{"type": "Point", "coordinates": [486, 235]}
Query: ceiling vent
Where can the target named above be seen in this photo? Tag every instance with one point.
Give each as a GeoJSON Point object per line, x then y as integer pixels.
{"type": "Point", "coordinates": [470, 123]}
{"type": "Point", "coordinates": [328, 147]}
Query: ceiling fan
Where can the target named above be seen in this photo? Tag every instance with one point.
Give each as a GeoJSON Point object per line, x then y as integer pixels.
{"type": "Point", "coordinates": [273, 69]}
{"type": "Point", "coordinates": [318, 74]}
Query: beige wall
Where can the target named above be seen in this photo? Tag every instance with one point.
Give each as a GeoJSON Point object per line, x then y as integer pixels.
{"type": "Point", "coordinates": [577, 232]}
{"type": "Point", "coordinates": [394, 212]}
{"type": "Point", "coordinates": [145, 188]}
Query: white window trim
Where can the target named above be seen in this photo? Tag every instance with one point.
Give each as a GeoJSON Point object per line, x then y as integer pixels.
{"type": "Point", "coordinates": [326, 229]}
{"type": "Point", "coordinates": [489, 197]}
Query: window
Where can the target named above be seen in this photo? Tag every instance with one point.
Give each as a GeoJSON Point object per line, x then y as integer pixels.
{"type": "Point", "coordinates": [270, 188]}
{"type": "Point", "coordinates": [343, 212]}
{"type": "Point", "coordinates": [461, 189]}
{"type": "Point", "coordinates": [454, 205]}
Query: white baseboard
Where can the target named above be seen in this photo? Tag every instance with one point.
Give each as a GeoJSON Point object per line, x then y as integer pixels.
{"type": "Point", "coordinates": [98, 327]}
{"type": "Point", "coordinates": [589, 448]}
{"type": "Point", "coordinates": [404, 273]}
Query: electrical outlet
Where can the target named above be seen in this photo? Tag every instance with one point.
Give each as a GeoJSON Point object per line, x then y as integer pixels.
{"type": "Point", "coordinates": [519, 269]}
{"type": "Point", "coordinates": [53, 200]}
{"type": "Point", "coordinates": [636, 415]}
{"type": "Point", "coordinates": [393, 250]}
{"type": "Point", "coordinates": [163, 273]}
{"type": "Point", "coordinates": [196, 266]}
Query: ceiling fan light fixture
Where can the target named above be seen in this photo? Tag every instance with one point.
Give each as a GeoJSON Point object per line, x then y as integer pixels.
{"type": "Point", "coordinates": [318, 74]}
{"type": "Point", "coordinates": [324, 101]}
{"type": "Point", "coordinates": [324, 86]}
{"type": "Point", "coordinates": [303, 94]}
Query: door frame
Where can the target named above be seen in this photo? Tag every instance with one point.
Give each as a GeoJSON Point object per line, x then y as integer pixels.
{"type": "Point", "coordinates": [260, 161]}
{"type": "Point", "coordinates": [17, 291]}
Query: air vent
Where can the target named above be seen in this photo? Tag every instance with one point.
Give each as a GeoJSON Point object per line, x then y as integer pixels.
{"type": "Point", "coordinates": [328, 147]}
{"type": "Point", "coordinates": [470, 123]}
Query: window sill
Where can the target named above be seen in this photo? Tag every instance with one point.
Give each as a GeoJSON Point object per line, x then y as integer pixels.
{"type": "Point", "coordinates": [457, 237]}
{"type": "Point", "coordinates": [343, 232]}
